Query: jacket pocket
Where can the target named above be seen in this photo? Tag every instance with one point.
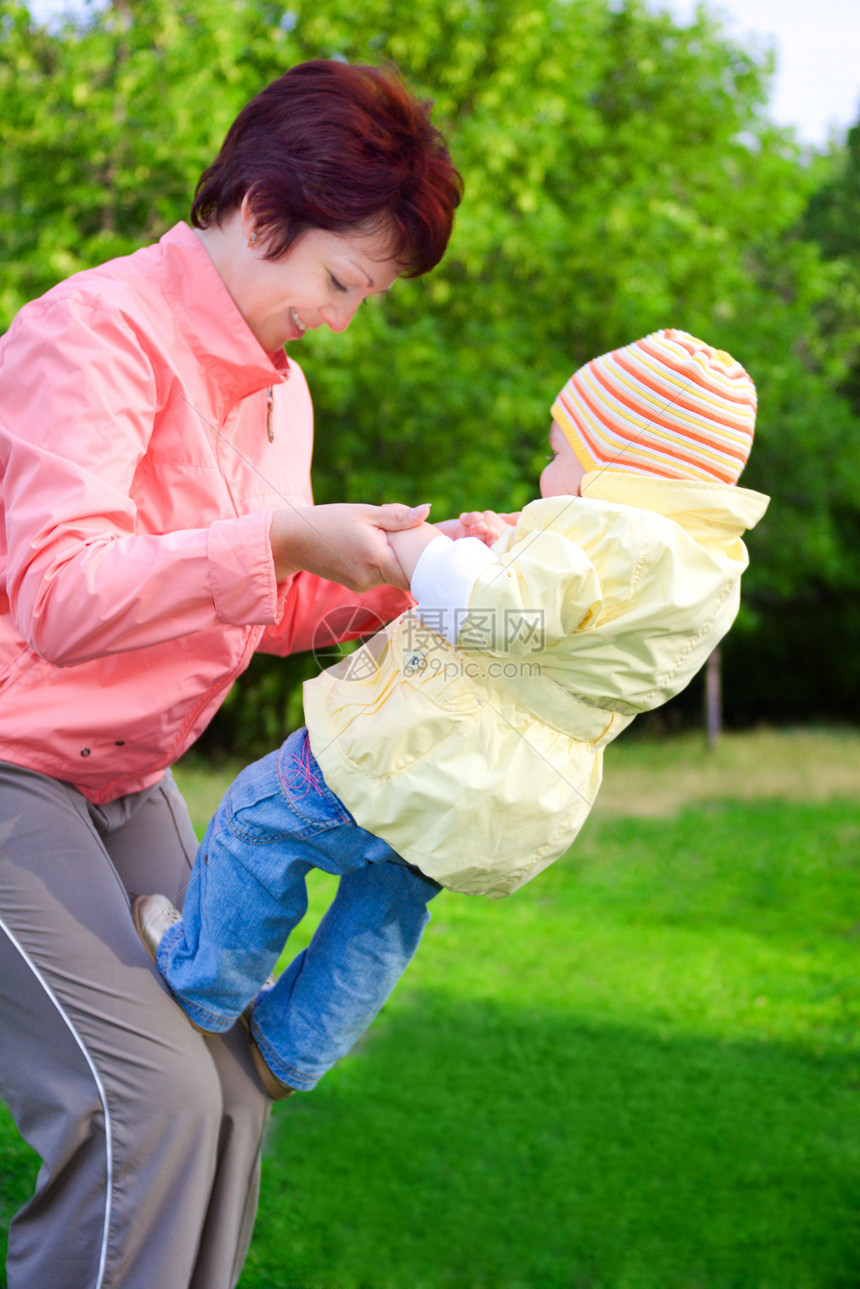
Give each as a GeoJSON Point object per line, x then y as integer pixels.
{"type": "Point", "coordinates": [392, 705]}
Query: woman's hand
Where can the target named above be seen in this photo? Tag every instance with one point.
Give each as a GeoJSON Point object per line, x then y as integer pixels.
{"type": "Point", "coordinates": [345, 543]}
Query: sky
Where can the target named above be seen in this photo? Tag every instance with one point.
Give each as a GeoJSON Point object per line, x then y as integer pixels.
{"type": "Point", "coordinates": [817, 83]}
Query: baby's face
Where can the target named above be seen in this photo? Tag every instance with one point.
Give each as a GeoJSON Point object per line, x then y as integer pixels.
{"type": "Point", "coordinates": [564, 473]}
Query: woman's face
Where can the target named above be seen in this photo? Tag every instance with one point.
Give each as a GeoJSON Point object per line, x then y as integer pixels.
{"type": "Point", "coordinates": [565, 472]}
{"type": "Point", "coordinates": [321, 281]}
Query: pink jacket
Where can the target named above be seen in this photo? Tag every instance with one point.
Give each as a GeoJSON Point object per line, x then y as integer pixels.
{"type": "Point", "coordinates": [140, 466]}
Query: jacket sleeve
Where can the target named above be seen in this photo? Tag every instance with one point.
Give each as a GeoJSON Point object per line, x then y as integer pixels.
{"type": "Point", "coordinates": [77, 408]}
{"type": "Point", "coordinates": [318, 613]}
{"type": "Point", "coordinates": [544, 588]}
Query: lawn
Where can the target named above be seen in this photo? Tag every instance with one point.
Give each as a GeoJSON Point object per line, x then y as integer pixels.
{"type": "Point", "coordinates": [640, 1072]}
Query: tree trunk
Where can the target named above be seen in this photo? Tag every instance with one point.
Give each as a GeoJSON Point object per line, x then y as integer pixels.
{"type": "Point", "coordinates": [713, 699]}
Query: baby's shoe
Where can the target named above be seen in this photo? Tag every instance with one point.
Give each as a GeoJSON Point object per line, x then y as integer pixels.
{"type": "Point", "coordinates": [275, 1087]}
{"type": "Point", "coordinates": [153, 915]}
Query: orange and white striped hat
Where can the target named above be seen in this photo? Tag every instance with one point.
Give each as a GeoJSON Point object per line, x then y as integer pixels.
{"type": "Point", "coordinates": [668, 405]}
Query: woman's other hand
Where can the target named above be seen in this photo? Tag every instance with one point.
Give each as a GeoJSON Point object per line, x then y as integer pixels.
{"type": "Point", "coordinates": [344, 542]}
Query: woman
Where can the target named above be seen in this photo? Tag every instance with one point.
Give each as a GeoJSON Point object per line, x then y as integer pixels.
{"type": "Point", "coordinates": [157, 529]}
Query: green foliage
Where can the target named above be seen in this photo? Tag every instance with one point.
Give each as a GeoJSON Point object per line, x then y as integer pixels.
{"type": "Point", "coordinates": [595, 212]}
{"type": "Point", "coordinates": [832, 216]}
{"type": "Point", "coordinates": [833, 220]}
{"type": "Point", "coordinates": [621, 175]}
{"type": "Point", "coordinates": [105, 128]}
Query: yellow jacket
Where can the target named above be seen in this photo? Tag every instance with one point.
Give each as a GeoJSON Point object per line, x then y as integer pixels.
{"type": "Point", "coordinates": [479, 763]}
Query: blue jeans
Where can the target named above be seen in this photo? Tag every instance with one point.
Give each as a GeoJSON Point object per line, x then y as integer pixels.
{"type": "Point", "coordinates": [277, 821]}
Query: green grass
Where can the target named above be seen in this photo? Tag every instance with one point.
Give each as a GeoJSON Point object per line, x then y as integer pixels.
{"type": "Point", "coordinates": [639, 1072]}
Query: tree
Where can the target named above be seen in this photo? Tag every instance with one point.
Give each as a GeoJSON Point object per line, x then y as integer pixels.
{"type": "Point", "coordinates": [107, 123]}
{"type": "Point", "coordinates": [621, 176]}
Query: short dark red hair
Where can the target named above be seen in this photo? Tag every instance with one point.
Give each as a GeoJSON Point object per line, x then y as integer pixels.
{"type": "Point", "coordinates": [341, 147]}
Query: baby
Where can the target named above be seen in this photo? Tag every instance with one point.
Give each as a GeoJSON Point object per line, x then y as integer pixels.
{"type": "Point", "coordinates": [462, 746]}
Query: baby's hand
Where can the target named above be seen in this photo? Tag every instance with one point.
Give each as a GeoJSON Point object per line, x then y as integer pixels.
{"type": "Point", "coordinates": [486, 524]}
{"type": "Point", "coordinates": [451, 528]}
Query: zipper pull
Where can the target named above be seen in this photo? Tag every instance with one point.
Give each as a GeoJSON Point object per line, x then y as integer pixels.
{"type": "Point", "coordinates": [270, 407]}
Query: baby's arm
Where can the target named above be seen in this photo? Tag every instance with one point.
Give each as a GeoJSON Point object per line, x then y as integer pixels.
{"type": "Point", "coordinates": [409, 544]}
{"type": "Point", "coordinates": [442, 573]}
{"type": "Point", "coordinates": [511, 598]}
{"type": "Point", "coordinates": [548, 583]}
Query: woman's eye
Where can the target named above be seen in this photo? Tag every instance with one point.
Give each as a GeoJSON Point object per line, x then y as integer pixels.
{"type": "Point", "coordinates": [338, 286]}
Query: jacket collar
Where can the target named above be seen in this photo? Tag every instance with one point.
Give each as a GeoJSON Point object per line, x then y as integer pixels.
{"type": "Point", "coordinates": [216, 331]}
{"type": "Point", "coordinates": [698, 506]}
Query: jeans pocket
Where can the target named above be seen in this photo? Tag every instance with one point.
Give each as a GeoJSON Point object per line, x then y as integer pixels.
{"type": "Point", "coordinates": [304, 790]}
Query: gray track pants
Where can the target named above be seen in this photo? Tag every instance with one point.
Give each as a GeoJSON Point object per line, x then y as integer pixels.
{"type": "Point", "coordinates": [149, 1133]}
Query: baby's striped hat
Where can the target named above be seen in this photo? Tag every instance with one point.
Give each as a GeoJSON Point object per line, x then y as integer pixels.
{"type": "Point", "coordinates": [668, 405]}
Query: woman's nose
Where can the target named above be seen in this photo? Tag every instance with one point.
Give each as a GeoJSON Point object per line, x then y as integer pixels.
{"type": "Point", "coordinates": [337, 317]}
